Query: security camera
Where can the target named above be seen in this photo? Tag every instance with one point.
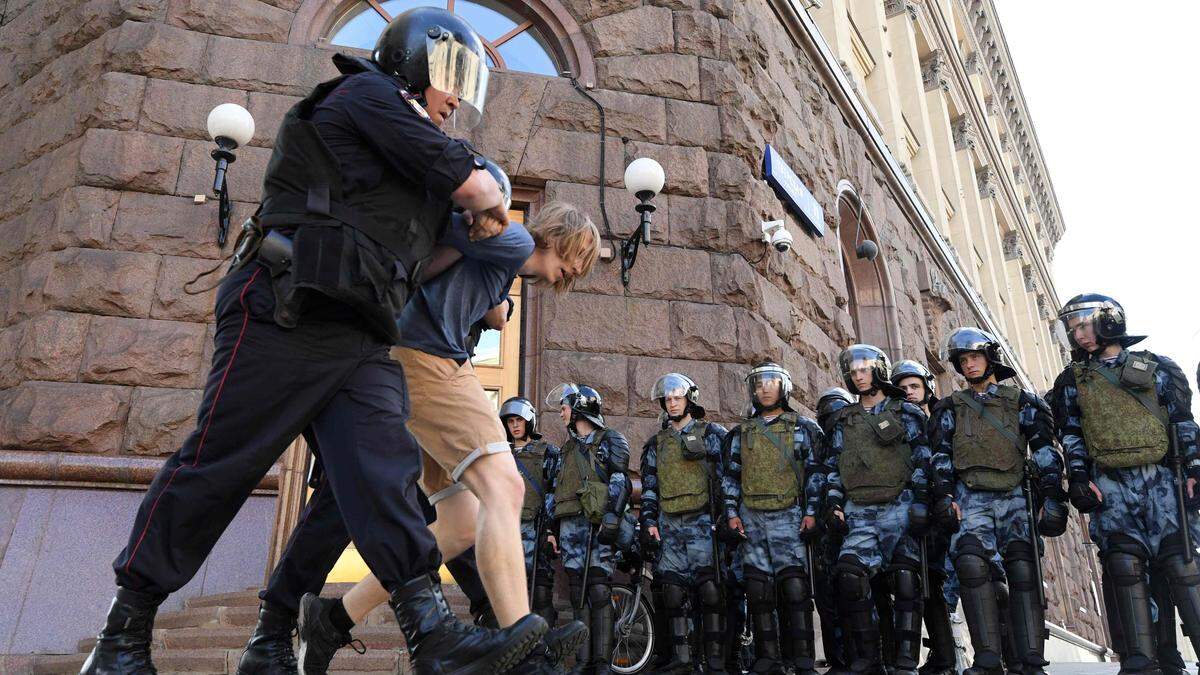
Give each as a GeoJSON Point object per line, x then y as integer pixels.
{"type": "Point", "coordinates": [775, 234]}
{"type": "Point", "coordinates": [867, 250]}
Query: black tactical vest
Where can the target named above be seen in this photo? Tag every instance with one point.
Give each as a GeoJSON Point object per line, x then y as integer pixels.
{"type": "Point", "coordinates": [364, 248]}
{"type": "Point", "coordinates": [876, 462]}
{"type": "Point", "coordinates": [986, 458]}
{"type": "Point", "coordinates": [531, 458]}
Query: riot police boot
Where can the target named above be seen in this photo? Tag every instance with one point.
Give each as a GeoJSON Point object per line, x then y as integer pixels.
{"type": "Point", "coordinates": [797, 636]}
{"type": "Point", "coordinates": [1127, 572]}
{"type": "Point", "coordinates": [580, 611]}
{"type": "Point", "coordinates": [885, 613]}
{"type": "Point", "coordinates": [1009, 655]}
{"type": "Point", "coordinates": [712, 621]}
{"type": "Point", "coordinates": [319, 638]}
{"type": "Point", "coordinates": [439, 643]}
{"type": "Point", "coordinates": [1184, 578]}
{"type": "Point", "coordinates": [861, 632]}
{"type": "Point", "coordinates": [1026, 614]}
{"type": "Point", "coordinates": [982, 611]}
{"type": "Point", "coordinates": [269, 650]}
{"type": "Point", "coordinates": [677, 636]}
{"type": "Point", "coordinates": [565, 640]}
{"type": "Point", "coordinates": [1167, 648]}
{"type": "Point", "coordinates": [123, 646]}
{"type": "Point", "coordinates": [906, 583]}
{"type": "Point", "coordinates": [603, 613]}
{"type": "Point", "coordinates": [738, 636]}
{"type": "Point", "coordinates": [543, 603]}
{"type": "Point", "coordinates": [943, 650]}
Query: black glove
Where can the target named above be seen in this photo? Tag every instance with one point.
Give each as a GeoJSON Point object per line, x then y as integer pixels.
{"type": "Point", "coordinates": [1082, 497]}
{"type": "Point", "coordinates": [811, 534]}
{"type": "Point", "coordinates": [547, 549]}
{"type": "Point", "coordinates": [943, 514]}
{"type": "Point", "coordinates": [651, 547]}
{"type": "Point", "coordinates": [837, 527]}
{"type": "Point", "coordinates": [1054, 518]}
{"type": "Point", "coordinates": [610, 527]}
{"type": "Point", "coordinates": [918, 518]}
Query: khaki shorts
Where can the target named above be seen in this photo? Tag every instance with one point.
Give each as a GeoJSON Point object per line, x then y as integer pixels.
{"type": "Point", "coordinates": [451, 417]}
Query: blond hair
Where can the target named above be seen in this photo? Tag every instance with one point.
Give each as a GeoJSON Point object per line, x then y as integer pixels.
{"type": "Point", "coordinates": [572, 235]}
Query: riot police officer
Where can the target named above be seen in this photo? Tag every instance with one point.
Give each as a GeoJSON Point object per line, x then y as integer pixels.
{"type": "Point", "coordinates": [1125, 422]}
{"type": "Point", "coordinates": [877, 463]}
{"type": "Point", "coordinates": [535, 459]}
{"type": "Point", "coordinates": [586, 507]}
{"type": "Point", "coordinates": [827, 547]}
{"type": "Point", "coordinates": [681, 473]}
{"type": "Point", "coordinates": [980, 436]}
{"type": "Point", "coordinates": [770, 496]}
{"type": "Point", "coordinates": [917, 383]}
{"type": "Point", "coordinates": [359, 185]}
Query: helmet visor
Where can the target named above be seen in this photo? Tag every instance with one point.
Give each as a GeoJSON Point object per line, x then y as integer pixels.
{"type": "Point", "coordinates": [517, 407]}
{"type": "Point", "coordinates": [458, 69]}
{"type": "Point", "coordinates": [765, 387]}
{"type": "Point", "coordinates": [670, 385]}
{"type": "Point", "coordinates": [1077, 328]}
{"type": "Point", "coordinates": [557, 396]}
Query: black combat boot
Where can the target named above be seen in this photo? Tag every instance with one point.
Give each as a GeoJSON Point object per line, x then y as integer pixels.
{"type": "Point", "coordinates": [1026, 615]}
{"type": "Point", "coordinates": [1127, 572]}
{"type": "Point", "coordinates": [543, 603]}
{"type": "Point", "coordinates": [760, 601]}
{"type": "Point", "coordinates": [712, 621]}
{"type": "Point", "coordinates": [943, 651]}
{"type": "Point", "coordinates": [797, 636]}
{"type": "Point", "coordinates": [269, 651]}
{"type": "Point", "coordinates": [906, 584]}
{"type": "Point", "coordinates": [565, 640]}
{"type": "Point", "coordinates": [319, 638]}
{"type": "Point", "coordinates": [602, 613]}
{"type": "Point", "coordinates": [677, 637]}
{"type": "Point", "coordinates": [861, 633]}
{"type": "Point", "coordinates": [123, 647]}
{"type": "Point", "coordinates": [439, 643]}
{"type": "Point", "coordinates": [982, 610]}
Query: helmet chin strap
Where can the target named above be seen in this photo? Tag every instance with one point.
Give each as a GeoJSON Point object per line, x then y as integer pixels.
{"type": "Point", "coordinates": [676, 418]}
{"type": "Point", "coordinates": [991, 370]}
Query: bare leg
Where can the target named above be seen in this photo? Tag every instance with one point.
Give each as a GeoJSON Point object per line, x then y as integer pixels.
{"type": "Point", "coordinates": [454, 531]}
{"type": "Point", "coordinates": [494, 479]}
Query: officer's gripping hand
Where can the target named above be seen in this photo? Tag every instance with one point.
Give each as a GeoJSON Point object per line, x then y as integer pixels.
{"type": "Point", "coordinates": [487, 224]}
{"type": "Point", "coordinates": [947, 514]}
{"type": "Point", "coordinates": [610, 526]}
{"type": "Point", "coordinates": [809, 529]}
{"type": "Point", "coordinates": [651, 545]}
{"type": "Point", "coordinates": [835, 522]}
{"type": "Point", "coordinates": [1191, 493]}
{"type": "Point", "coordinates": [1053, 520]}
{"type": "Point", "coordinates": [1084, 494]}
{"type": "Point", "coordinates": [551, 546]}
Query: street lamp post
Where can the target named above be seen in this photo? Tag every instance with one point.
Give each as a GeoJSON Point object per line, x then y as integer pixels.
{"type": "Point", "coordinates": [644, 178]}
{"type": "Point", "coordinates": [230, 125]}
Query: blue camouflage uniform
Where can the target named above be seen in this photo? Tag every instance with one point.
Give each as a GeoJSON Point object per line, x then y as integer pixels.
{"type": "Point", "coordinates": [1137, 520]}
{"type": "Point", "coordinates": [877, 533]}
{"type": "Point", "coordinates": [611, 461]}
{"type": "Point", "coordinates": [539, 487]}
{"type": "Point", "coordinates": [773, 559]}
{"type": "Point", "coordinates": [992, 545]}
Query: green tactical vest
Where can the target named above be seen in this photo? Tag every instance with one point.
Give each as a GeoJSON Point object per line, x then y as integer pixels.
{"type": "Point", "coordinates": [1124, 425]}
{"type": "Point", "coordinates": [985, 458]}
{"type": "Point", "coordinates": [683, 484]}
{"type": "Point", "coordinates": [771, 478]}
{"type": "Point", "coordinates": [570, 476]}
{"type": "Point", "coordinates": [876, 463]}
{"type": "Point", "coordinates": [530, 458]}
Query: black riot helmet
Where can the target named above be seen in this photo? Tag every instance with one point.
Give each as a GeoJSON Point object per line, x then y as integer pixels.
{"type": "Point", "coordinates": [676, 384]}
{"type": "Point", "coordinates": [765, 372]}
{"type": "Point", "coordinates": [969, 339]}
{"type": "Point", "coordinates": [868, 356]}
{"type": "Point", "coordinates": [430, 46]}
{"type": "Point", "coordinates": [583, 401]}
{"type": "Point", "coordinates": [501, 180]}
{"type": "Point", "coordinates": [1104, 314]}
{"type": "Point", "coordinates": [523, 408]}
{"type": "Point", "coordinates": [831, 401]}
{"type": "Point", "coordinates": [909, 368]}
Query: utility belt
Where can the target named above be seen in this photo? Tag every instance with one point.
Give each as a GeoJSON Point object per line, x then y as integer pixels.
{"type": "Point", "coordinates": [271, 247]}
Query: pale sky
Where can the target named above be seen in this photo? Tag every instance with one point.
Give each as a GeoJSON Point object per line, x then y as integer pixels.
{"type": "Point", "coordinates": [1112, 89]}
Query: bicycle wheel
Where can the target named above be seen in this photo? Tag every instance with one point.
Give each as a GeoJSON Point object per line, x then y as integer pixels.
{"type": "Point", "coordinates": [633, 634]}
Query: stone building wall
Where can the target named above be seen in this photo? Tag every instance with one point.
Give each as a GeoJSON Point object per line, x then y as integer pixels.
{"type": "Point", "coordinates": [103, 104]}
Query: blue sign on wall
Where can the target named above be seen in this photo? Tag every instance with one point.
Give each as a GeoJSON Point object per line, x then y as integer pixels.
{"type": "Point", "coordinates": [792, 192]}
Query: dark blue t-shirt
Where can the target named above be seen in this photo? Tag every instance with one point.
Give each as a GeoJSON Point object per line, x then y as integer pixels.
{"type": "Point", "coordinates": [441, 313]}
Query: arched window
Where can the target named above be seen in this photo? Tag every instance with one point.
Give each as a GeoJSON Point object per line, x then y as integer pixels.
{"type": "Point", "coordinates": [868, 287]}
{"type": "Point", "coordinates": [510, 31]}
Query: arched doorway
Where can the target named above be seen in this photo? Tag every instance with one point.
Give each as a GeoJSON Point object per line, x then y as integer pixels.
{"type": "Point", "coordinates": [868, 287]}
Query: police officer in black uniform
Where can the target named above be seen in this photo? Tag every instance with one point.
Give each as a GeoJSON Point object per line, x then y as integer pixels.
{"type": "Point", "coordinates": [360, 184]}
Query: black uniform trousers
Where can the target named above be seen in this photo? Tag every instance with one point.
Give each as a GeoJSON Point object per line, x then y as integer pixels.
{"type": "Point", "coordinates": [329, 378]}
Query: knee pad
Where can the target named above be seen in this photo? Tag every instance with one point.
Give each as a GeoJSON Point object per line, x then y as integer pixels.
{"type": "Point", "coordinates": [671, 578]}
{"type": "Point", "coordinates": [710, 595]}
{"type": "Point", "coordinates": [1125, 569]}
{"type": "Point", "coordinates": [970, 544]}
{"type": "Point", "coordinates": [1124, 543]}
{"type": "Point", "coordinates": [1019, 550]}
{"type": "Point", "coordinates": [674, 596]}
{"type": "Point", "coordinates": [1181, 572]}
{"type": "Point", "coordinates": [906, 584]}
{"type": "Point", "coordinates": [854, 582]}
{"type": "Point", "coordinates": [793, 588]}
{"type": "Point", "coordinates": [599, 593]}
{"type": "Point", "coordinates": [759, 594]}
{"type": "Point", "coordinates": [973, 570]}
